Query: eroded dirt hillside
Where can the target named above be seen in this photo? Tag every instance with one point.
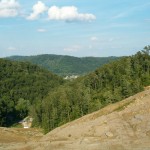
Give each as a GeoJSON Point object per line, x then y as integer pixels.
{"type": "Point", "coordinates": [18, 138]}
{"type": "Point", "coordinates": [121, 126]}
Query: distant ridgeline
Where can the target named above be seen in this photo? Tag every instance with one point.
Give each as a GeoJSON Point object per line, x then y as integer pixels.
{"type": "Point", "coordinates": [108, 84]}
{"type": "Point", "coordinates": [66, 65]}
{"type": "Point", "coordinates": [21, 85]}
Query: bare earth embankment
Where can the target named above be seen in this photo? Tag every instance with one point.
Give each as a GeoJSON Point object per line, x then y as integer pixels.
{"type": "Point", "coordinates": [121, 126]}
{"type": "Point", "coordinates": [17, 138]}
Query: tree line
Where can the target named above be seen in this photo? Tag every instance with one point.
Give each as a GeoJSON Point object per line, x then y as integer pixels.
{"type": "Point", "coordinates": [108, 84]}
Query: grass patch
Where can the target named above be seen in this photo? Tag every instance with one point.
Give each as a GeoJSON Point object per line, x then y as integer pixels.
{"type": "Point", "coordinates": [122, 107]}
{"type": "Point", "coordinates": [17, 125]}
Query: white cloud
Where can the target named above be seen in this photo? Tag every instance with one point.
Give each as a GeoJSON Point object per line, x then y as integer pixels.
{"type": "Point", "coordinates": [38, 9]}
{"type": "Point", "coordinates": [41, 30]}
{"type": "Point", "coordinates": [94, 38]}
{"type": "Point", "coordinates": [111, 39]}
{"type": "Point", "coordinates": [68, 13]}
{"type": "Point", "coordinates": [9, 8]}
{"type": "Point", "coordinates": [90, 46]}
{"type": "Point", "coordinates": [11, 48]}
{"type": "Point", "coordinates": [121, 15]}
{"type": "Point", "coordinates": [73, 48]}
{"type": "Point", "coordinates": [122, 25]}
{"type": "Point", "coordinates": [131, 10]}
{"type": "Point", "coordinates": [147, 20]}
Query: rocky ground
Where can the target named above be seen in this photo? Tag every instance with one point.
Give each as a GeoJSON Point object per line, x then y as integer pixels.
{"type": "Point", "coordinates": [121, 126]}
{"type": "Point", "coordinates": [18, 138]}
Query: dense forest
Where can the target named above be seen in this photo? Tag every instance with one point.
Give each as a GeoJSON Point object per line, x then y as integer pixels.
{"type": "Point", "coordinates": [21, 85]}
{"type": "Point", "coordinates": [66, 65]}
{"type": "Point", "coordinates": [108, 84]}
{"type": "Point", "coordinates": [29, 90]}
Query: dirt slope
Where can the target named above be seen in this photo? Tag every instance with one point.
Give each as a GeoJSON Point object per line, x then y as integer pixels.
{"type": "Point", "coordinates": [121, 126]}
{"type": "Point", "coordinates": [17, 138]}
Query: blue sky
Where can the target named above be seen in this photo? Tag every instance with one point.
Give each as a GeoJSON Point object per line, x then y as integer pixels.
{"type": "Point", "coordinates": [74, 27]}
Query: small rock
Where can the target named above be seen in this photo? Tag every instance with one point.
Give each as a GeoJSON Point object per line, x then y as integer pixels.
{"type": "Point", "coordinates": [138, 117]}
{"type": "Point", "coordinates": [109, 134]}
{"type": "Point", "coordinates": [105, 122]}
{"type": "Point", "coordinates": [148, 133]}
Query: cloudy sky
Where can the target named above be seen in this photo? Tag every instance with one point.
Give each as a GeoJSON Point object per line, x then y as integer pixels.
{"type": "Point", "coordinates": [74, 27]}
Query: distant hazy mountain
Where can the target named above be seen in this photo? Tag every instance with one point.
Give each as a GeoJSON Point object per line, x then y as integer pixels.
{"type": "Point", "coordinates": [66, 65]}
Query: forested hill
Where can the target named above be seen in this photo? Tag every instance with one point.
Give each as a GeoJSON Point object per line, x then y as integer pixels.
{"type": "Point", "coordinates": [66, 65]}
{"type": "Point", "coordinates": [21, 85]}
{"type": "Point", "coordinates": [109, 84]}
{"type": "Point", "coordinates": [28, 88]}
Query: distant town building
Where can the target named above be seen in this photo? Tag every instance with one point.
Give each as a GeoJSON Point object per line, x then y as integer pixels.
{"type": "Point", "coordinates": [27, 122]}
{"type": "Point", "coordinates": [71, 77]}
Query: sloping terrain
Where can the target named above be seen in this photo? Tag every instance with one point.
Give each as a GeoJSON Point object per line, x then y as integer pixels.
{"type": "Point", "coordinates": [109, 84]}
{"type": "Point", "coordinates": [22, 85]}
{"type": "Point", "coordinates": [65, 65]}
{"type": "Point", "coordinates": [121, 126]}
{"type": "Point", "coordinates": [17, 138]}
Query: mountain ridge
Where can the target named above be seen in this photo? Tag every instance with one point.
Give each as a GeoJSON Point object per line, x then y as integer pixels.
{"type": "Point", "coordinates": [64, 65]}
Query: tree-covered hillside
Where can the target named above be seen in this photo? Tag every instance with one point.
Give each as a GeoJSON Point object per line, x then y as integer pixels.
{"type": "Point", "coordinates": [66, 65]}
{"type": "Point", "coordinates": [21, 85]}
{"type": "Point", "coordinates": [108, 84]}
{"type": "Point", "coordinates": [51, 102]}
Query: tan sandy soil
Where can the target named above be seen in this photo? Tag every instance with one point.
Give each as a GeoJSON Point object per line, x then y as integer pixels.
{"type": "Point", "coordinates": [121, 126]}
{"type": "Point", "coordinates": [17, 138]}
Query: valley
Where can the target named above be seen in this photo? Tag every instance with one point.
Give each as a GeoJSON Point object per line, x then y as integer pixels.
{"type": "Point", "coordinates": [74, 75]}
{"type": "Point", "coordinates": [107, 108]}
